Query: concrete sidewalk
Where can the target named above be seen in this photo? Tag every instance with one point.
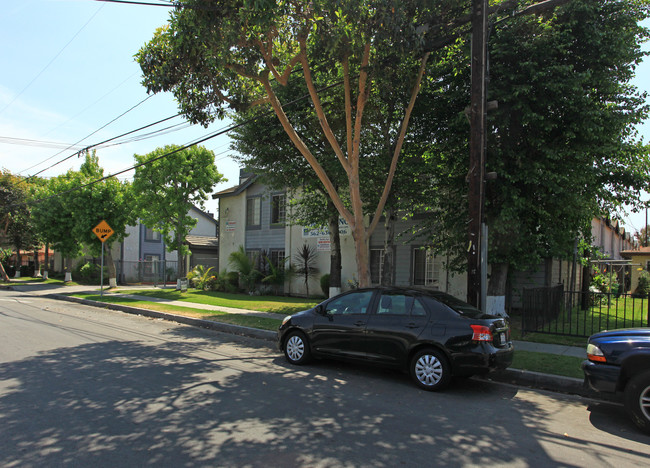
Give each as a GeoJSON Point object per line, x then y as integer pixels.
{"type": "Point", "coordinates": [512, 376]}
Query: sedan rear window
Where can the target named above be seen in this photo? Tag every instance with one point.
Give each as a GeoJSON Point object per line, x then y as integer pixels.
{"type": "Point", "coordinates": [457, 305]}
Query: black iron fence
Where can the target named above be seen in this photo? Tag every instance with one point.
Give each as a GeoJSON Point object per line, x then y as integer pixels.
{"type": "Point", "coordinates": [581, 314]}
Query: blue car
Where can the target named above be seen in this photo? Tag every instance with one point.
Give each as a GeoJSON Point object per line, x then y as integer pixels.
{"type": "Point", "coordinates": [618, 363]}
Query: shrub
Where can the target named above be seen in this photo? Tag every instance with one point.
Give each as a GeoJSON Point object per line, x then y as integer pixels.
{"type": "Point", "coordinates": [88, 272]}
{"type": "Point", "coordinates": [643, 288]}
{"type": "Point", "coordinates": [325, 284]}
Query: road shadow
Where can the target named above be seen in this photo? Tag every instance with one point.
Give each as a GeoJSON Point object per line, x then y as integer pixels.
{"type": "Point", "coordinates": [207, 399]}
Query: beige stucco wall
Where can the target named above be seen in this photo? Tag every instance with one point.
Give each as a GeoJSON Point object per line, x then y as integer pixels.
{"type": "Point", "coordinates": [232, 227]}
{"type": "Point", "coordinates": [319, 240]}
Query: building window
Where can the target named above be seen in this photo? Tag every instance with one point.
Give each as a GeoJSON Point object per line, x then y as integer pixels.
{"type": "Point", "coordinates": [253, 212]}
{"type": "Point", "coordinates": [150, 235]}
{"type": "Point", "coordinates": [277, 258]}
{"type": "Point", "coordinates": [278, 210]}
{"type": "Point", "coordinates": [151, 263]}
{"type": "Point", "coordinates": [376, 265]}
{"type": "Point", "coordinates": [426, 268]}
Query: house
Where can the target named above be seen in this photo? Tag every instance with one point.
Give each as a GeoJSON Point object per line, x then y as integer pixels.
{"type": "Point", "coordinates": [143, 255]}
{"type": "Point", "coordinates": [608, 238]}
{"type": "Point", "coordinates": [639, 259]}
{"type": "Point", "coordinates": [255, 217]}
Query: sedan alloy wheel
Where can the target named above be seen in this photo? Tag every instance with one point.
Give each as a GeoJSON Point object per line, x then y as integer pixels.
{"type": "Point", "coordinates": [430, 370]}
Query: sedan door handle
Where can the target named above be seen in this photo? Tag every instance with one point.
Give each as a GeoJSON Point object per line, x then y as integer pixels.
{"type": "Point", "coordinates": [359, 323]}
{"type": "Point", "coordinates": [412, 325]}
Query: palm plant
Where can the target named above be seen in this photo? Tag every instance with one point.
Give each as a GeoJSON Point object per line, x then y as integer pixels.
{"type": "Point", "coordinates": [245, 266]}
{"type": "Point", "coordinates": [199, 276]}
{"type": "Point", "coordinates": [305, 259]}
{"type": "Point", "coordinates": [278, 274]}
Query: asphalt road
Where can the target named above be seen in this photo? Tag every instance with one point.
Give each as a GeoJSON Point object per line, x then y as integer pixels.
{"type": "Point", "coordinates": [83, 386]}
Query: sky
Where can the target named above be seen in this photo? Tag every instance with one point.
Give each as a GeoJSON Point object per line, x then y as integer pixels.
{"type": "Point", "coordinates": [70, 80]}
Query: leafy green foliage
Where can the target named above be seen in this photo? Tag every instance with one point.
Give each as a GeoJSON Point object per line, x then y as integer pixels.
{"type": "Point", "coordinates": [643, 287]}
{"type": "Point", "coordinates": [169, 181]}
{"type": "Point", "coordinates": [562, 140]}
{"type": "Point", "coordinates": [362, 62]}
{"type": "Point", "coordinates": [69, 206]}
{"type": "Point", "coordinates": [249, 275]}
{"type": "Point", "coordinates": [200, 277]}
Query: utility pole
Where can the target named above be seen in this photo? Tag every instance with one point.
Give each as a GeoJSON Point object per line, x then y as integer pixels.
{"type": "Point", "coordinates": [477, 143]}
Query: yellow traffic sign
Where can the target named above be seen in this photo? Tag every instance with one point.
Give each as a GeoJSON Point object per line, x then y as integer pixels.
{"type": "Point", "coordinates": [103, 231]}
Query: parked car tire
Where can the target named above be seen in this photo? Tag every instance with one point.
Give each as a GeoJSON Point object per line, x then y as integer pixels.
{"type": "Point", "coordinates": [430, 370]}
{"type": "Point", "coordinates": [637, 400]}
{"type": "Point", "coordinates": [296, 348]}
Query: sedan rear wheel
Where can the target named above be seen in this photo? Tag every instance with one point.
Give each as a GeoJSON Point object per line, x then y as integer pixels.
{"type": "Point", "coordinates": [637, 400]}
{"type": "Point", "coordinates": [296, 348]}
{"type": "Point", "coordinates": [430, 370]}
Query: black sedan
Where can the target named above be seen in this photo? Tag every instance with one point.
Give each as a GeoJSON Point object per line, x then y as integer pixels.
{"type": "Point", "coordinates": [431, 334]}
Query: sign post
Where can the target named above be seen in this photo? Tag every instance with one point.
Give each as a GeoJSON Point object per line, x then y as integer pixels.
{"type": "Point", "coordinates": [103, 231]}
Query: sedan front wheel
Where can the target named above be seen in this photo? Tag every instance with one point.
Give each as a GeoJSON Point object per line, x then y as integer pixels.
{"type": "Point", "coordinates": [430, 370]}
{"type": "Point", "coordinates": [296, 348]}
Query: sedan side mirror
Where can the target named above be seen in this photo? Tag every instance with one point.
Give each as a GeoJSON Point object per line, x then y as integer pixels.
{"type": "Point", "coordinates": [320, 310]}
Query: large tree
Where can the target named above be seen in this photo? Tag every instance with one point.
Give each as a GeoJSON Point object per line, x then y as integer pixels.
{"type": "Point", "coordinates": [167, 182]}
{"type": "Point", "coordinates": [16, 228]}
{"type": "Point", "coordinates": [562, 140]}
{"type": "Point", "coordinates": [219, 54]}
{"type": "Point", "coordinates": [71, 205]}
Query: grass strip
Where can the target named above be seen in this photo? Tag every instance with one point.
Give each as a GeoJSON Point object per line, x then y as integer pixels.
{"type": "Point", "coordinates": [244, 320]}
{"type": "Point", "coordinates": [567, 366]}
{"type": "Point", "coordinates": [270, 304]}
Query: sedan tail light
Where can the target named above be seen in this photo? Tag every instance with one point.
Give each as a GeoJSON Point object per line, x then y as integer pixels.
{"type": "Point", "coordinates": [481, 333]}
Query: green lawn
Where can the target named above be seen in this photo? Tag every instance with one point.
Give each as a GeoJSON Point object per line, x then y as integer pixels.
{"type": "Point", "coordinates": [216, 316]}
{"type": "Point", "coordinates": [567, 366]}
{"type": "Point", "coordinates": [26, 280]}
{"type": "Point", "coordinates": [271, 304]}
{"type": "Point", "coordinates": [625, 312]}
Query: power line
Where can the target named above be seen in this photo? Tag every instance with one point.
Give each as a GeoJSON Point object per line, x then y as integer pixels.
{"type": "Point", "coordinates": [128, 2]}
{"type": "Point", "coordinates": [74, 144]}
{"type": "Point", "coordinates": [31, 142]}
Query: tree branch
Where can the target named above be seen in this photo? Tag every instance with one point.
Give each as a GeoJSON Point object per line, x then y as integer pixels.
{"type": "Point", "coordinates": [318, 107]}
{"type": "Point", "coordinates": [311, 159]}
{"type": "Point", "coordinates": [398, 146]}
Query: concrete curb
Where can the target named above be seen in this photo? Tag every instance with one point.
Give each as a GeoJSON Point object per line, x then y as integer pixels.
{"type": "Point", "coordinates": [554, 383]}
{"type": "Point", "coordinates": [209, 324]}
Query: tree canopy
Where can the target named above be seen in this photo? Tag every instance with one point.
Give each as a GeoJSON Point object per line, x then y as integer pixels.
{"type": "Point", "coordinates": [562, 140]}
{"type": "Point", "coordinates": [220, 55]}
{"type": "Point", "coordinates": [71, 205]}
{"type": "Point", "coordinates": [168, 181]}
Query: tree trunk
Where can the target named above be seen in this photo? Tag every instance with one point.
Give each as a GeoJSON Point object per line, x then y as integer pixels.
{"type": "Point", "coordinates": [181, 258]}
{"type": "Point", "coordinates": [498, 277]}
{"type": "Point", "coordinates": [497, 290]}
{"type": "Point", "coordinates": [68, 270]}
{"type": "Point", "coordinates": [46, 260]}
{"type": "Point", "coordinates": [387, 268]}
{"type": "Point", "coordinates": [19, 262]}
{"type": "Point", "coordinates": [37, 265]}
{"type": "Point", "coordinates": [361, 253]}
{"type": "Point", "coordinates": [5, 277]}
{"type": "Point", "coordinates": [335, 254]}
